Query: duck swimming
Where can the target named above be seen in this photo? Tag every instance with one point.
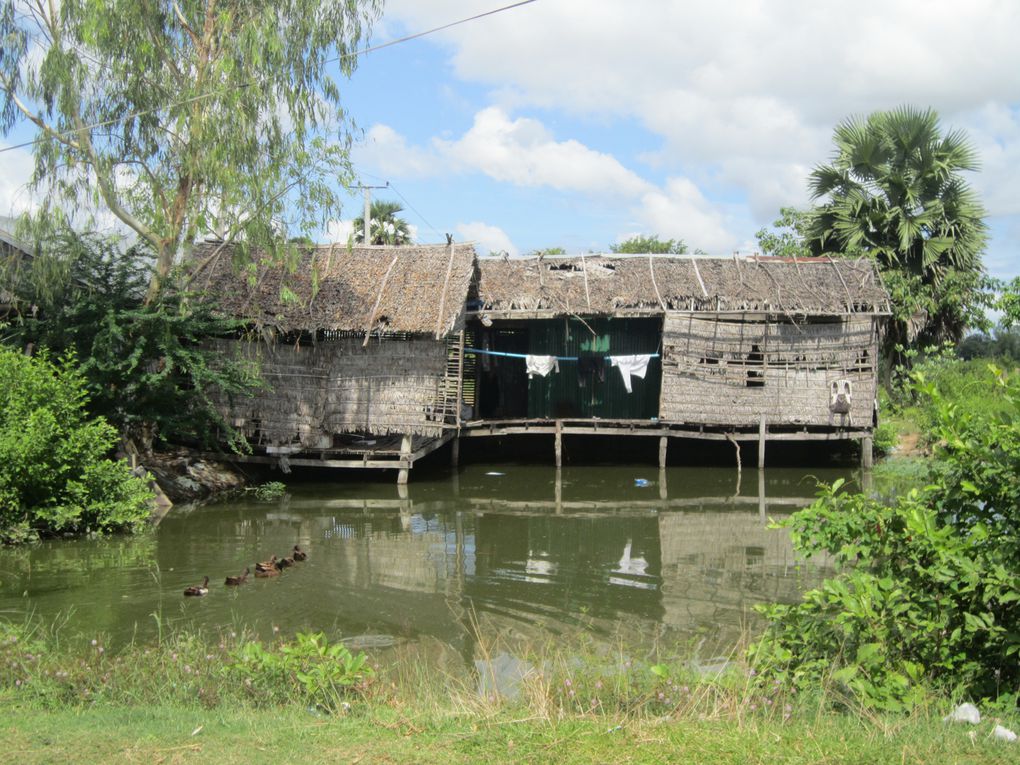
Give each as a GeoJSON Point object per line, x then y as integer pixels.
{"type": "Point", "coordinates": [299, 554]}
{"type": "Point", "coordinates": [266, 565]}
{"type": "Point", "coordinates": [198, 590]}
{"type": "Point", "coordinates": [234, 581]}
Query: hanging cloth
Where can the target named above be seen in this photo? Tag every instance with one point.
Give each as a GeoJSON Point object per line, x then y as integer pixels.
{"type": "Point", "coordinates": [629, 366]}
{"type": "Point", "coordinates": [541, 365]}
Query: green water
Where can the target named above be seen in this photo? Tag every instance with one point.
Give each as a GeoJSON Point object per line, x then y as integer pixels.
{"type": "Point", "coordinates": [527, 554]}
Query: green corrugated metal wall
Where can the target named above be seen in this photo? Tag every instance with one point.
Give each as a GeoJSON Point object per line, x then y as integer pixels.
{"type": "Point", "coordinates": [562, 395]}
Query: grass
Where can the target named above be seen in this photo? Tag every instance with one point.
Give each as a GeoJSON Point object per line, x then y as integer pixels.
{"type": "Point", "coordinates": [169, 734]}
{"type": "Point", "coordinates": [189, 698]}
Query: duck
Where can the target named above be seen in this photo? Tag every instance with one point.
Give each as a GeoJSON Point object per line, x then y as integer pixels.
{"type": "Point", "coordinates": [266, 565]}
{"type": "Point", "coordinates": [233, 581]}
{"type": "Point", "coordinates": [283, 563]}
{"type": "Point", "coordinates": [262, 573]}
{"type": "Point", "coordinates": [198, 590]}
{"type": "Point", "coordinates": [299, 554]}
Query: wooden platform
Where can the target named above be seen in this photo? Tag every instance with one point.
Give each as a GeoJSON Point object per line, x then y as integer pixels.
{"type": "Point", "coordinates": [401, 452]}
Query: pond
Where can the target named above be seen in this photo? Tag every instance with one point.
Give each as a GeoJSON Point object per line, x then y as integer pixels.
{"type": "Point", "coordinates": [498, 551]}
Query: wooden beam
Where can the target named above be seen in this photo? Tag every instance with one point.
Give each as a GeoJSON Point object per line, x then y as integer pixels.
{"type": "Point", "coordinates": [663, 446]}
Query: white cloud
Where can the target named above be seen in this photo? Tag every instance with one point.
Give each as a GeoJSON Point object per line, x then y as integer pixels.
{"type": "Point", "coordinates": [523, 152]}
{"type": "Point", "coordinates": [490, 239]}
{"type": "Point", "coordinates": [389, 154]}
{"type": "Point", "coordinates": [681, 211]}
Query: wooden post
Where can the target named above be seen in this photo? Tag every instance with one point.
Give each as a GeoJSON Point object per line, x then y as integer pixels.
{"type": "Point", "coordinates": [761, 495]}
{"type": "Point", "coordinates": [455, 452]}
{"type": "Point", "coordinates": [663, 489]}
{"type": "Point", "coordinates": [559, 491]}
{"type": "Point", "coordinates": [866, 455]}
{"type": "Point", "coordinates": [405, 454]}
{"type": "Point", "coordinates": [663, 446]}
{"type": "Point", "coordinates": [761, 442]}
{"type": "Point", "coordinates": [559, 443]}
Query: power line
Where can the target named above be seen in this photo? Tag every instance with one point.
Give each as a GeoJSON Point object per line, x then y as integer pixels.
{"type": "Point", "coordinates": [336, 59]}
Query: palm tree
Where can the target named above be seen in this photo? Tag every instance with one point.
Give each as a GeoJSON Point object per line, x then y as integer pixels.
{"type": "Point", "coordinates": [894, 192]}
{"type": "Point", "coordinates": [385, 227]}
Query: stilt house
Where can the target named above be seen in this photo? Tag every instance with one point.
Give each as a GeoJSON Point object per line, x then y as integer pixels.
{"type": "Point", "coordinates": [758, 348]}
{"type": "Point", "coordinates": [382, 354]}
{"type": "Point", "coordinates": [362, 359]}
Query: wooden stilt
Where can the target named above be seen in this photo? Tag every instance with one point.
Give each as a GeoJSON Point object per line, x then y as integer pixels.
{"type": "Point", "coordinates": [559, 491]}
{"type": "Point", "coordinates": [455, 452]}
{"type": "Point", "coordinates": [867, 460]}
{"type": "Point", "coordinates": [663, 446]}
{"type": "Point", "coordinates": [663, 489]}
{"type": "Point", "coordinates": [559, 444]}
{"type": "Point", "coordinates": [405, 454]}
{"type": "Point", "coordinates": [761, 442]}
{"type": "Point", "coordinates": [761, 495]}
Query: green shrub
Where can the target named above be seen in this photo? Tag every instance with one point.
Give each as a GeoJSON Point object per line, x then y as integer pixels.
{"type": "Point", "coordinates": [928, 587]}
{"type": "Point", "coordinates": [323, 674]}
{"type": "Point", "coordinates": [54, 471]}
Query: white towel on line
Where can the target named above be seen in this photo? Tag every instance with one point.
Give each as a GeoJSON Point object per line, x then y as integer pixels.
{"type": "Point", "coordinates": [541, 365]}
{"type": "Point", "coordinates": [635, 365]}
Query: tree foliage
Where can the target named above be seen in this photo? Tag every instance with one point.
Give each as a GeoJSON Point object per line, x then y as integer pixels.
{"type": "Point", "coordinates": [895, 192]}
{"type": "Point", "coordinates": [145, 366]}
{"type": "Point", "coordinates": [788, 236]}
{"type": "Point", "coordinates": [644, 245]}
{"type": "Point", "coordinates": [185, 117]}
{"type": "Point", "coordinates": [385, 227]}
{"type": "Point", "coordinates": [54, 471]}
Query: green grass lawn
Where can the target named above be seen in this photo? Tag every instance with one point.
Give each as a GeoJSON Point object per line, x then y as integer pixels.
{"type": "Point", "coordinates": [112, 734]}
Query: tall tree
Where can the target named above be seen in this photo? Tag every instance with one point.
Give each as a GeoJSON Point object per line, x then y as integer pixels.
{"type": "Point", "coordinates": [643, 245]}
{"type": "Point", "coordinates": [385, 227]}
{"type": "Point", "coordinates": [185, 117]}
{"type": "Point", "coordinates": [894, 191]}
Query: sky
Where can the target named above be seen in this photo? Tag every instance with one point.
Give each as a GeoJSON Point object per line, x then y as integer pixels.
{"type": "Point", "coordinates": [568, 123]}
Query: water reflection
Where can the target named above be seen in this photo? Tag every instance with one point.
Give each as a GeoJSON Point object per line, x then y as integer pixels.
{"type": "Point", "coordinates": [528, 555]}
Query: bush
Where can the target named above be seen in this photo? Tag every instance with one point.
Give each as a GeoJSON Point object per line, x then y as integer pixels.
{"type": "Point", "coordinates": [54, 471]}
{"type": "Point", "coordinates": [928, 587]}
{"type": "Point", "coordinates": [323, 674]}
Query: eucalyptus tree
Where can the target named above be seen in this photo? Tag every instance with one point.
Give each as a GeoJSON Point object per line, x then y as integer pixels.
{"type": "Point", "coordinates": [894, 191]}
{"type": "Point", "coordinates": [184, 118]}
{"type": "Point", "coordinates": [385, 226]}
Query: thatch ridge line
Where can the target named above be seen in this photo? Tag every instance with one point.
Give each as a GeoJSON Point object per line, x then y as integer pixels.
{"type": "Point", "coordinates": [378, 300]}
{"type": "Point", "coordinates": [697, 272]}
{"type": "Point", "coordinates": [442, 295]}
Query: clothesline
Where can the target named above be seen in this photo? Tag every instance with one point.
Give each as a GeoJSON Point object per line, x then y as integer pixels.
{"type": "Point", "coordinates": [525, 355]}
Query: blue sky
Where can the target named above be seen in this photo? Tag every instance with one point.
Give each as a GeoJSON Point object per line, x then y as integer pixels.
{"type": "Point", "coordinates": [577, 124]}
{"type": "Point", "coordinates": [573, 124]}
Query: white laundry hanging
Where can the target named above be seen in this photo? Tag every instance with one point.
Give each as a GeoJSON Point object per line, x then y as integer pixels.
{"type": "Point", "coordinates": [541, 365]}
{"type": "Point", "coordinates": [636, 365]}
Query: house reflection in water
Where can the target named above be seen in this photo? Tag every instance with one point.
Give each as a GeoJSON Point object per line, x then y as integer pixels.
{"type": "Point", "coordinates": [536, 569]}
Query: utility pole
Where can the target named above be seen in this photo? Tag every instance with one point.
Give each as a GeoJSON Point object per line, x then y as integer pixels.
{"type": "Point", "coordinates": [366, 218]}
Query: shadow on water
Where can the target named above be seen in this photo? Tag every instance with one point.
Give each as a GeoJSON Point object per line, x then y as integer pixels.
{"type": "Point", "coordinates": [519, 552]}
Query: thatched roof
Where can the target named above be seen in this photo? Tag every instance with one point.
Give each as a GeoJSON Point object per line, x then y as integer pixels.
{"type": "Point", "coordinates": [419, 289]}
{"type": "Point", "coordinates": [608, 285]}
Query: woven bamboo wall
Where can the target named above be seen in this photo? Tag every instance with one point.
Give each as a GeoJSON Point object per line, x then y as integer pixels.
{"type": "Point", "coordinates": [337, 386]}
{"type": "Point", "coordinates": [723, 372]}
